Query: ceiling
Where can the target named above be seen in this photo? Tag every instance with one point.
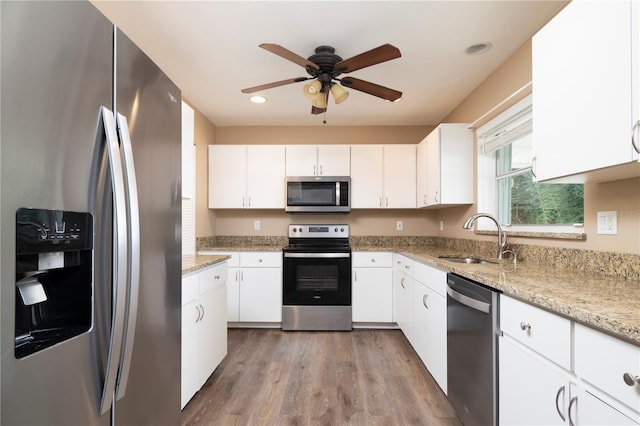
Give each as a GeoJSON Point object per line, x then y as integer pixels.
{"type": "Point", "coordinates": [210, 50]}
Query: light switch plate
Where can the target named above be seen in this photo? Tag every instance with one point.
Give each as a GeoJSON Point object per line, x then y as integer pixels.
{"type": "Point", "coordinates": [608, 223]}
{"type": "Point", "coordinates": [256, 225]}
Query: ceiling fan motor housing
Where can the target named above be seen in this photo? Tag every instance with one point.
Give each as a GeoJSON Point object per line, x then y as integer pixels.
{"type": "Point", "coordinates": [326, 59]}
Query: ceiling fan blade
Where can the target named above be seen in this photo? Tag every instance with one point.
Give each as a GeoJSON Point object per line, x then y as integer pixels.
{"type": "Point", "coordinates": [383, 53]}
{"type": "Point", "coordinates": [275, 84]}
{"type": "Point", "coordinates": [316, 110]}
{"type": "Point", "coordinates": [288, 55]}
{"type": "Point", "coordinates": [371, 88]}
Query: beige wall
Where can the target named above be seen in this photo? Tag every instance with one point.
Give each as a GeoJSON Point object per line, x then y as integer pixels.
{"type": "Point", "coordinates": [515, 73]}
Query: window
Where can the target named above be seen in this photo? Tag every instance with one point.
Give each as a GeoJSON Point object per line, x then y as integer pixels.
{"type": "Point", "coordinates": [506, 184]}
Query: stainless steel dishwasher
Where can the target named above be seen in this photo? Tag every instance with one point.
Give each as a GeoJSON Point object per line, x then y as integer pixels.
{"type": "Point", "coordinates": [472, 350]}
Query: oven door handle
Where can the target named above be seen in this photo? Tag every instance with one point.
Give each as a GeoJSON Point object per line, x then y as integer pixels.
{"type": "Point", "coordinates": [318, 255]}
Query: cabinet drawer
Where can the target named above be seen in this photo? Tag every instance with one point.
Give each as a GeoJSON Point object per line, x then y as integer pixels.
{"type": "Point", "coordinates": [603, 361]}
{"type": "Point", "coordinates": [261, 259]}
{"type": "Point", "coordinates": [544, 332]}
{"type": "Point", "coordinates": [189, 288]}
{"type": "Point", "coordinates": [432, 277]}
{"type": "Point", "coordinates": [371, 259]}
{"type": "Point", "coordinates": [213, 277]}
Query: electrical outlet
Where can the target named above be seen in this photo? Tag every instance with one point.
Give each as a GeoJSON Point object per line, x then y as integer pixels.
{"type": "Point", "coordinates": [442, 225]}
{"type": "Point", "coordinates": [399, 225]}
{"type": "Point", "coordinates": [608, 223]}
{"type": "Point", "coordinates": [256, 225]}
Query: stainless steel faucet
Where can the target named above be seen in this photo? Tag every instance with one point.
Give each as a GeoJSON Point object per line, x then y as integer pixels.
{"type": "Point", "coordinates": [502, 236]}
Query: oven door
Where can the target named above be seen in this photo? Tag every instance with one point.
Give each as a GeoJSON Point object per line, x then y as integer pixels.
{"type": "Point", "coordinates": [316, 279]}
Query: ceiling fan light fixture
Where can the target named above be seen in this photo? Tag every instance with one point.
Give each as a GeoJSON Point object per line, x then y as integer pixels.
{"type": "Point", "coordinates": [312, 89]}
{"type": "Point", "coordinates": [258, 99]}
{"type": "Point", "coordinates": [339, 94]}
{"type": "Point", "coordinates": [320, 101]}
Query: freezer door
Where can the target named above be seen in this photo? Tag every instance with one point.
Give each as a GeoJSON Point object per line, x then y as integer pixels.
{"type": "Point", "coordinates": [56, 74]}
{"type": "Point", "coordinates": [150, 103]}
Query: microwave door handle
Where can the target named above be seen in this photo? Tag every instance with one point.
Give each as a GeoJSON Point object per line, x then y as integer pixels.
{"type": "Point", "coordinates": [337, 193]}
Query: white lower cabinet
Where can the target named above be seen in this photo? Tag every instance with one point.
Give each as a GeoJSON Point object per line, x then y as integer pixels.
{"type": "Point", "coordinates": [204, 327]}
{"type": "Point", "coordinates": [532, 391]}
{"type": "Point", "coordinates": [430, 321]}
{"type": "Point", "coordinates": [542, 381]}
{"type": "Point", "coordinates": [402, 285]}
{"type": "Point", "coordinates": [420, 310]}
{"type": "Point", "coordinates": [254, 286]}
{"type": "Point", "coordinates": [372, 290]}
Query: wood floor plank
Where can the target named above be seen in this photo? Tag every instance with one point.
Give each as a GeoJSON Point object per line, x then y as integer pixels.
{"type": "Point", "coordinates": [363, 377]}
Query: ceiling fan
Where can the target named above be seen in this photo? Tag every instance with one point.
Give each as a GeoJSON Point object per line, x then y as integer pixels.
{"type": "Point", "coordinates": [325, 66]}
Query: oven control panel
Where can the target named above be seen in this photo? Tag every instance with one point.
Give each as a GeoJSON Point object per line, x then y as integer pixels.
{"type": "Point", "coordinates": [319, 231]}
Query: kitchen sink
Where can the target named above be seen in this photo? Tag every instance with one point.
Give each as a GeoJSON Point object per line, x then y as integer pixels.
{"type": "Point", "coordinates": [465, 259]}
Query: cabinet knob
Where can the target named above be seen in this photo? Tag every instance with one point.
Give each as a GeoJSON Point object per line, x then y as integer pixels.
{"type": "Point", "coordinates": [260, 260]}
{"type": "Point", "coordinates": [373, 260]}
{"type": "Point", "coordinates": [630, 379]}
{"type": "Point", "coordinates": [525, 326]}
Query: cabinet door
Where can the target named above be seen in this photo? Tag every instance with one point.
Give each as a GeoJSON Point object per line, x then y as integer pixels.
{"type": "Point", "coordinates": [433, 168]}
{"type": "Point", "coordinates": [366, 176]}
{"type": "Point", "coordinates": [227, 176]}
{"type": "Point", "coordinates": [189, 383]}
{"type": "Point", "coordinates": [532, 392]}
{"type": "Point", "coordinates": [265, 176]}
{"type": "Point", "coordinates": [261, 295]}
{"type": "Point", "coordinates": [422, 167]}
{"type": "Point", "coordinates": [582, 97]}
{"type": "Point", "coordinates": [212, 332]}
{"type": "Point", "coordinates": [400, 176]}
{"type": "Point", "coordinates": [233, 295]}
{"type": "Point", "coordinates": [593, 411]}
{"type": "Point", "coordinates": [430, 331]}
{"type": "Point", "coordinates": [334, 160]}
{"type": "Point", "coordinates": [301, 160]}
{"type": "Point", "coordinates": [402, 303]}
{"type": "Point", "coordinates": [372, 295]}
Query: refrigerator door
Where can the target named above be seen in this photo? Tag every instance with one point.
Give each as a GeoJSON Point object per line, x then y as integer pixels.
{"type": "Point", "coordinates": [56, 74]}
{"type": "Point", "coordinates": [150, 104]}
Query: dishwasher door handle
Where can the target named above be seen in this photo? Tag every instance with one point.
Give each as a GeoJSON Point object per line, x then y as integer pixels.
{"type": "Point", "coordinates": [469, 301]}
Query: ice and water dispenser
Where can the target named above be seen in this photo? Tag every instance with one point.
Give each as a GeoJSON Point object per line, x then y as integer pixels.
{"type": "Point", "coordinates": [54, 274]}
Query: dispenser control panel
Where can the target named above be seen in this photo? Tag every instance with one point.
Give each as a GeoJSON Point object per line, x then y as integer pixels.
{"type": "Point", "coordinates": [39, 230]}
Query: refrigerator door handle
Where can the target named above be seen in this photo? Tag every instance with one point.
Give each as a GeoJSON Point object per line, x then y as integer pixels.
{"type": "Point", "coordinates": [119, 259]}
{"type": "Point", "coordinates": [133, 277]}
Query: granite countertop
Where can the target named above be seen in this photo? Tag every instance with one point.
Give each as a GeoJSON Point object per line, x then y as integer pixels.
{"type": "Point", "coordinates": [605, 302]}
{"type": "Point", "coordinates": [193, 263]}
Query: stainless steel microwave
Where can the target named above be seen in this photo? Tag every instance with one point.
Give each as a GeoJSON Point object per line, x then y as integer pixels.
{"type": "Point", "coordinates": [318, 194]}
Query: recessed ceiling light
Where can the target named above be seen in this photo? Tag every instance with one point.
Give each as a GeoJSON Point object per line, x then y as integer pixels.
{"type": "Point", "coordinates": [258, 99]}
{"type": "Point", "coordinates": [478, 49]}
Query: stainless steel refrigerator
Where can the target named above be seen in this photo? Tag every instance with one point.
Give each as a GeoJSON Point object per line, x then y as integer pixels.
{"type": "Point", "coordinates": [90, 223]}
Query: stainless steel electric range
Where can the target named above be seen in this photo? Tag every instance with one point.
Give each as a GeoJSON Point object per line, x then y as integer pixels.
{"type": "Point", "coordinates": [316, 279]}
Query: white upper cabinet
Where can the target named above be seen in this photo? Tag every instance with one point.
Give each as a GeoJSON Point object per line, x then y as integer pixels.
{"type": "Point", "coordinates": [246, 176]}
{"type": "Point", "coordinates": [584, 86]}
{"type": "Point", "coordinates": [188, 152]}
{"type": "Point", "coordinates": [445, 167]}
{"type": "Point", "coordinates": [383, 176]}
{"type": "Point", "coordinates": [317, 160]}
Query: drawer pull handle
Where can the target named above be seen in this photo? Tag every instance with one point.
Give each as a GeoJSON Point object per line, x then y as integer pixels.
{"type": "Point", "coordinates": [217, 277]}
{"type": "Point", "coordinates": [630, 380]}
{"type": "Point", "coordinates": [525, 326]}
{"type": "Point", "coordinates": [424, 300]}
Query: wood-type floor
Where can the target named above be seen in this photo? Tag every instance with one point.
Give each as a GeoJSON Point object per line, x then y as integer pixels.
{"type": "Point", "coordinates": [363, 377]}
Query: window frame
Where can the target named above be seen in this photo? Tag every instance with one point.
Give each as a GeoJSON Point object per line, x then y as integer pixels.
{"type": "Point", "coordinates": [487, 187]}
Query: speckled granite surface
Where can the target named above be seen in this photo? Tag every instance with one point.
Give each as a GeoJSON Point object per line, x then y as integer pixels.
{"type": "Point", "coordinates": [599, 289]}
{"type": "Point", "coordinates": [196, 262]}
